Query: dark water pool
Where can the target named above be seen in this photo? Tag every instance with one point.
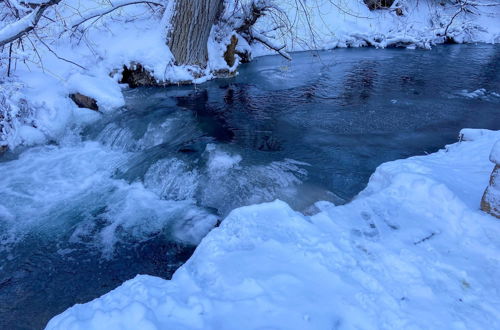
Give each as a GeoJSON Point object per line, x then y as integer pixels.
{"type": "Point", "coordinates": [135, 192]}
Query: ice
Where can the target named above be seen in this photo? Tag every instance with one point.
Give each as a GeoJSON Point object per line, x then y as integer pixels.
{"type": "Point", "coordinates": [477, 93]}
{"type": "Point", "coordinates": [411, 251]}
{"type": "Point", "coordinates": [480, 93]}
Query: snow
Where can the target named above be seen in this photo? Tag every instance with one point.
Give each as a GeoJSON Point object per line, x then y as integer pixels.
{"type": "Point", "coordinates": [13, 29]}
{"type": "Point", "coordinates": [31, 135]}
{"type": "Point", "coordinates": [412, 250]}
{"type": "Point", "coordinates": [331, 24]}
{"type": "Point", "coordinates": [495, 153]}
{"type": "Point", "coordinates": [82, 59]}
{"type": "Point", "coordinates": [103, 89]}
{"type": "Point", "coordinates": [471, 134]}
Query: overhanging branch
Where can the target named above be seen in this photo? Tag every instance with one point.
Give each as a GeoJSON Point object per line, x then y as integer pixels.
{"type": "Point", "coordinates": [116, 5]}
{"type": "Point", "coordinates": [24, 25]}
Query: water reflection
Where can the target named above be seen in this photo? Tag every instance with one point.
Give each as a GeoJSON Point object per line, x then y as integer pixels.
{"type": "Point", "coordinates": [359, 83]}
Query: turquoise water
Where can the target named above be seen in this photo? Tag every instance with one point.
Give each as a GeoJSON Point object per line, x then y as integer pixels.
{"type": "Point", "coordinates": [134, 193]}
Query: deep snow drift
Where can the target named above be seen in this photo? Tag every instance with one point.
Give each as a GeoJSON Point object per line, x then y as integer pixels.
{"type": "Point", "coordinates": [411, 251]}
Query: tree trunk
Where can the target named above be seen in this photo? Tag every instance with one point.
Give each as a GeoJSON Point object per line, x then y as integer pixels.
{"type": "Point", "coordinates": [191, 25]}
{"type": "Point", "coordinates": [378, 4]}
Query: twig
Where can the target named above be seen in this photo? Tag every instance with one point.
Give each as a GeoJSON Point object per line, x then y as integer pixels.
{"type": "Point", "coordinates": [453, 18]}
{"type": "Point", "coordinates": [279, 50]}
{"type": "Point", "coordinates": [109, 10]}
{"type": "Point", "coordinates": [10, 60]}
{"type": "Point", "coordinates": [37, 54]}
{"type": "Point", "coordinates": [56, 55]}
{"type": "Point", "coordinates": [425, 239]}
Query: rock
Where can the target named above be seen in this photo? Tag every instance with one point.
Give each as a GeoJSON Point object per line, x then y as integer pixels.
{"type": "Point", "coordinates": [491, 197]}
{"type": "Point", "coordinates": [224, 73]}
{"type": "Point", "coordinates": [83, 101]}
{"type": "Point", "coordinates": [378, 4]}
{"type": "Point", "coordinates": [137, 76]}
{"type": "Point", "coordinates": [490, 203]}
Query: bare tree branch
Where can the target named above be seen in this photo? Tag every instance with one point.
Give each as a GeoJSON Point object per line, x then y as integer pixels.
{"type": "Point", "coordinates": [99, 13]}
{"type": "Point", "coordinates": [55, 54]}
{"type": "Point", "coordinates": [268, 43]}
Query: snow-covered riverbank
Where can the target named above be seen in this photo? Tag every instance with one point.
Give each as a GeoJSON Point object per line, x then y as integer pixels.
{"type": "Point", "coordinates": [34, 102]}
{"type": "Point", "coordinates": [411, 251]}
{"type": "Point", "coordinates": [326, 24]}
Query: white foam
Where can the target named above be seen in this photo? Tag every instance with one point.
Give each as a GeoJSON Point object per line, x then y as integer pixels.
{"type": "Point", "coordinates": [71, 190]}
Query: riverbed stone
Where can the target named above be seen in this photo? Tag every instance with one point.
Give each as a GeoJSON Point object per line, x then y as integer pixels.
{"type": "Point", "coordinates": [83, 101]}
{"type": "Point", "coordinates": [137, 76]}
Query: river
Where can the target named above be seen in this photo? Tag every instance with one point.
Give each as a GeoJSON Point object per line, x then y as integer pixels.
{"type": "Point", "coordinates": [135, 192]}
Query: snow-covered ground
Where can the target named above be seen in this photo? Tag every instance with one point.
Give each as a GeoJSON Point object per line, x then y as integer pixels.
{"type": "Point", "coordinates": [412, 251]}
{"type": "Point", "coordinates": [326, 24]}
{"type": "Point", "coordinates": [34, 103]}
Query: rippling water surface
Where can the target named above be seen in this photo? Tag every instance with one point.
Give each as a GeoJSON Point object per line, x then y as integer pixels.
{"type": "Point", "coordinates": [135, 192]}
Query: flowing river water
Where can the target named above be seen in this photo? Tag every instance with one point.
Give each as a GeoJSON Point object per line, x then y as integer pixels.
{"type": "Point", "coordinates": [135, 192]}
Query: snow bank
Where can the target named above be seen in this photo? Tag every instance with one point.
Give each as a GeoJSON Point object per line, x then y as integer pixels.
{"type": "Point", "coordinates": [495, 153]}
{"type": "Point", "coordinates": [411, 251]}
{"type": "Point", "coordinates": [325, 24]}
{"type": "Point", "coordinates": [74, 62]}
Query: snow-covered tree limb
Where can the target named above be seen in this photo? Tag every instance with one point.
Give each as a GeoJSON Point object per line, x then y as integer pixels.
{"type": "Point", "coordinates": [271, 44]}
{"type": "Point", "coordinates": [25, 24]}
